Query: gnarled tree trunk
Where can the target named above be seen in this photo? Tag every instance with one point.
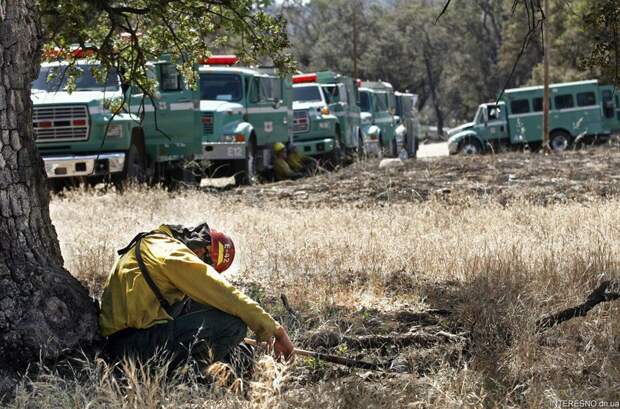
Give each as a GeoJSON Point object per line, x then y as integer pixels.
{"type": "Point", "coordinates": [43, 310]}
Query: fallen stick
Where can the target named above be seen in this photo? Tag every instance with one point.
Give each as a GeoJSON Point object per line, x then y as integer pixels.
{"type": "Point", "coordinates": [330, 358]}
{"type": "Point", "coordinates": [601, 294]}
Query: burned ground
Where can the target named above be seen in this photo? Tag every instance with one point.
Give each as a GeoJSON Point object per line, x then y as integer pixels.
{"type": "Point", "coordinates": [583, 176]}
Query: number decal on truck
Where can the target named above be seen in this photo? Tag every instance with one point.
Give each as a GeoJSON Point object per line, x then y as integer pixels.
{"type": "Point", "coordinates": [234, 152]}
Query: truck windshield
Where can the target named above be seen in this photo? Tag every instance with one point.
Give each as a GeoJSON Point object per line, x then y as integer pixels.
{"type": "Point", "coordinates": [307, 94]}
{"type": "Point", "coordinates": [331, 93]}
{"type": "Point", "coordinates": [220, 87]}
{"type": "Point", "coordinates": [365, 101]}
{"type": "Point", "coordinates": [55, 78]}
{"type": "Point", "coordinates": [479, 115]}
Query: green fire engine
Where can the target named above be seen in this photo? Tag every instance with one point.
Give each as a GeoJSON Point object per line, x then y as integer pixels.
{"type": "Point", "coordinates": [342, 100]}
{"type": "Point", "coordinates": [244, 111]}
{"type": "Point", "coordinates": [408, 129]}
{"type": "Point", "coordinates": [315, 128]}
{"type": "Point", "coordinates": [578, 111]}
{"type": "Point", "coordinates": [78, 135]}
{"type": "Point", "coordinates": [378, 105]}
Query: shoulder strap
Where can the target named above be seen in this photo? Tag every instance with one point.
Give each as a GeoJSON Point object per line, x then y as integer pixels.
{"type": "Point", "coordinates": [147, 277]}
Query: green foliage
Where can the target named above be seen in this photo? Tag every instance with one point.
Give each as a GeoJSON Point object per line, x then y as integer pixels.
{"type": "Point", "coordinates": [127, 35]}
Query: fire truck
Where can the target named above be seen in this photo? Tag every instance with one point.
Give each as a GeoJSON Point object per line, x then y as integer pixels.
{"type": "Point", "coordinates": [378, 106]}
{"type": "Point", "coordinates": [81, 134]}
{"type": "Point", "coordinates": [243, 112]}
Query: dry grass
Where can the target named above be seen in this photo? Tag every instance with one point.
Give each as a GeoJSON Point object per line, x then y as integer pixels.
{"type": "Point", "coordinates": [496, 268]}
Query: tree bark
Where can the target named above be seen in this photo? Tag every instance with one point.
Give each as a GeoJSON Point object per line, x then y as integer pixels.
{"type": "Point", "coordinates": [44, 311]}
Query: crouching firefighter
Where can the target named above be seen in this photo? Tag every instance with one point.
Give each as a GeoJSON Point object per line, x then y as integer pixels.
{"type": "Point", "coordinates": [165, 295]}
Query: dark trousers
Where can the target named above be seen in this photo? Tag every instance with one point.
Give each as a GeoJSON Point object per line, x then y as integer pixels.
{"type": "Point", "coordinates": [199, 332]}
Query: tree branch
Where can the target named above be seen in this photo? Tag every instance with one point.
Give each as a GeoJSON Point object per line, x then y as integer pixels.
{"type": "Point", "coordinates": [607, 291]}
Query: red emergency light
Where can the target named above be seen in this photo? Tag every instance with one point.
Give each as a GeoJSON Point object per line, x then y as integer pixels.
{"type": "Point", "coordinates": [221, 60]}
{"type": "Point", "coordinates": [79, 122]}
{"type": "Point", "coordinates": [45, 124]}
{"type": "Point", "coordinates": [302, 78]}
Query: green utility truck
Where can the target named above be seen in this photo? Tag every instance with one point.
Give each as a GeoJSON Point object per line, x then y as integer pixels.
{"type": "Point", "coordinates": [578, 111]}
{"type": "Point", "coordinates": [378, 105]}
{"type": "Point", "coordinates": [408, 129]}
{"type": "Point", "coordinates": [244, 111]}
{"type": "Point", "coordinates": [315, 128]}
{"type": "Point", "coordinates": [78, 135]}
{"type": "Point", "coordinates": [342, 99]}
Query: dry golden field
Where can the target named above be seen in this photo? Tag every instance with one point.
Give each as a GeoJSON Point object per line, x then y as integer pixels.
{"type": "Point", "coordinates": [462, 271]}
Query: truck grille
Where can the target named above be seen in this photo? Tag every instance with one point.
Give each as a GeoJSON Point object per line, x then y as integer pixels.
{"type": "Point", "coordinates": [207, 123]}
{"type": "Point", "coordinates": [60, 123]}
{"type": "Point", "coordinates": [301, 121]}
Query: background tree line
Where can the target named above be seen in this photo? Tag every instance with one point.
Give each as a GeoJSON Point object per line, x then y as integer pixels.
{"type": "Point", "coordinates": [465, 58]}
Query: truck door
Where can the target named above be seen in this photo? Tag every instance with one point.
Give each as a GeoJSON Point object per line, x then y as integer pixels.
{"type": "Point", "coordinates": [178, 112]}
{"type": "Point", "coordinates": [169, 120]}
{"type": "Point", "coordinates": [266, 111]}
{"type": "Point", "coordinates": [495, 127]}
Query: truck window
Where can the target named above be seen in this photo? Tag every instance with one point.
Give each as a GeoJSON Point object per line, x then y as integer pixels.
{"type": "Point", "coordinates": [170, 79]}
{"type": "Point", "coordinates": [537, 105]}
{"type": "Point", "coordinates": [276, 89]}
{"type": "Point", "coordinates": [220, 87]}
{"type": "Point", "coordinates": [608, 104]}
{"type": "Point", "coordinates": [585, 99]}
{"type": "Point", "coordinates": [520, 106]}
{"type": "Point", "coordinates": [364, 101]}
{"type": "Point", "coordinates": [86, 81]}
{"type": "Point", "coordinates": [342, 93]}
{"type": "Point", "coordinates": [564, 101]}
{"type": "Point", "coordinates": [331, 93]}
{"type": "Point", "coordinates": [494, 113]}
{"type": "Point", "coordinates": [307, 94]}
{"type": "Point", "coordinates": [382, 101]}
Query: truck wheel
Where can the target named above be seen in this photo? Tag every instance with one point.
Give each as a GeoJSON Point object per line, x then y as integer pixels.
{"type": "Point", "coordinates": [559, 141]}
{"type": "Point", "coordinates": [247, 174]}
{"type": "Point", "coordinates": [394, 148]}
{"type": "Point", "coordinates": [470, 146]}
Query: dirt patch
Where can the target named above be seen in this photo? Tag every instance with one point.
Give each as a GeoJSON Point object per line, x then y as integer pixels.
{"type": "Point", "coordinates": [578, 175]}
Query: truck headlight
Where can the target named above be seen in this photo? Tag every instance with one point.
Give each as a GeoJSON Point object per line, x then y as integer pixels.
{"type": "Point", "coordinates": [114, 131]}
{"type": "Point", "coordinates": [324, 125]}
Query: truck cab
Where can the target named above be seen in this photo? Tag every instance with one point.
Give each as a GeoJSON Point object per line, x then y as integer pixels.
{"type": "Point", "coordinates": [408, 124]}
{"type": "Point", "coordinates": [314, 125]}
{"type": "Point", "coordinates": [489, 125]}
{"type": "Point", "coordinates": [377, 104]}
{"type": "Point", "coordinates": [342, 99]}
{"type": "Point", "coordinates": [93, 132]}
{"type": "Point", "coordinates": [244, 111]}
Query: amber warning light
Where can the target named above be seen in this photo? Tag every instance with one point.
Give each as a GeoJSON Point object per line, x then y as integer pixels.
{"type": "Point", "coordinates": [301, 78]}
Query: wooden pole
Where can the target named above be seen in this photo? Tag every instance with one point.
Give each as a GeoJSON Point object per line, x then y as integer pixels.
{"type": "Point", "coordinates": [330, 358]}
{"type": "Point", "coordinates": [356, 6]}
{"type": "Point", "coordinates": [546, 52]}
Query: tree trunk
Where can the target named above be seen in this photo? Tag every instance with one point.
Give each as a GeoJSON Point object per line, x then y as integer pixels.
{"type": "Point", "coordinates": [44, 311]}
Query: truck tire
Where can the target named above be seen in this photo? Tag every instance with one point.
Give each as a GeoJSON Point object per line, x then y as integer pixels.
{"type": "Point", "coordinates": [470, 146]}
{"type": "Point", "coordinates": [247, 174]}
{"type": "Point", "coordinates": [394, 148]}
{"type": "Point", "coordinates": [559, 141]}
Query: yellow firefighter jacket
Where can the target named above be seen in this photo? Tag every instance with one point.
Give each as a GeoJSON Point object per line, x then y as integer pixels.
{"type": "Point", "coordinates": [128, 301]}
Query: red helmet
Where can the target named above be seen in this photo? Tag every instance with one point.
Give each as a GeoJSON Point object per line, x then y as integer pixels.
{"type": "Point", "coordinates": [222, 250]}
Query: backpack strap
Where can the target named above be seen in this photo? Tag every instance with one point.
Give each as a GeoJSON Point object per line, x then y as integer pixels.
{"type": "Point", "coordinates": [147, 277]}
